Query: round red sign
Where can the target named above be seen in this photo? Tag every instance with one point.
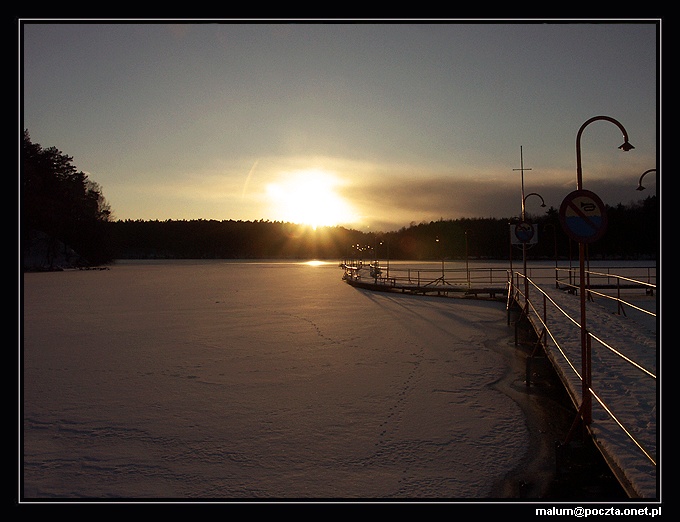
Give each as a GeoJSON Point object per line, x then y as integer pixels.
{"type": "Point", "coordinates": [583, 216]}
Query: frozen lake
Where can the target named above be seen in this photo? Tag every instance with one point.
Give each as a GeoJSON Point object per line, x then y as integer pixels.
{"type": "Point", "coordinates": [261, 380]}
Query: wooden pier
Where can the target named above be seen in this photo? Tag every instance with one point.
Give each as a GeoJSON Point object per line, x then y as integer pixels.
{"type": "Point", "coordinates": [484, 283]}
{"type": "Point", "coordinates": [622, 395]}
{"type": "Point", "coordinates": [618, 410]}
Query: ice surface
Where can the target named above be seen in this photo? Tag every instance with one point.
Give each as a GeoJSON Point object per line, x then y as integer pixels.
{"type": "Point", "coordinates": [258, 380]}
{"type": "Point", "coordinates": [276, 380]}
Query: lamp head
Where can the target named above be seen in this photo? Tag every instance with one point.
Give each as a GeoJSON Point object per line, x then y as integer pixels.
{"type": "Point", "coordinates": [626, 146]}
{"type": "Point", "coordinates": [640, 188]}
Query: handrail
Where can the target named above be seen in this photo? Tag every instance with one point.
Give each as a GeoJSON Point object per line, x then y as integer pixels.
{"type": "Point", "coordinates": [635, 283]}
{"type": "Point", "coordinates": [542, 318]}
{"type": "Point", "coordinates": [607, 275]}
{"type": "Point", "coordinates": [619, 354]}
{"type": "Point", "coordinates": [576, 323]}
{"type": "Point", "coordinates": [619, 277]}
{"type": "Point", "coordinates": [625, 430]}
{"type": "Point", "coordinates": [424, 277]}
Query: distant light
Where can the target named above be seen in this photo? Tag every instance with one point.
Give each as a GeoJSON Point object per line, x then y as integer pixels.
{"type": "Point", "coordinates": [315, 262]}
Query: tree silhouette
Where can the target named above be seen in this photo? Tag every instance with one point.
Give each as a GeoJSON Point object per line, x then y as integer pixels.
{"type": "Point", "coordinates": [61, 202]}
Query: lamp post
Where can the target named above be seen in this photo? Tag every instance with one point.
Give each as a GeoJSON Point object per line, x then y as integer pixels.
{"type": "Point", "coordinates": [467, 266]}
{"type": "Point", "coordinates": [386, 242]}
{"type": "Point", "coordinates": [440, 248]}
{"type": "Point", "coordinates": [586, 400]}
{"type": "Point", "coordinates": [510, 242]}
{"type": "Point", "coordinates": [524, 246]}
{"type": "Point", "coordinates": [522, 169]}
{"type": "Point", "coordinates": [640, 187]}
{"type": "Point", "coordinates": [626, 146]}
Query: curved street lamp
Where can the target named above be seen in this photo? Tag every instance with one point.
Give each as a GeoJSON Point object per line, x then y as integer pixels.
{"type": "Point", "coordinates": [535, 194]}
{"type": "Point", "coordinates": [524, 248]}
{"type": "Point", "coordinates": [626, 146]}
{"type": "Point", "coordinates": [586, 400]}
{"type": "Point", "coordinates": [640, 187]}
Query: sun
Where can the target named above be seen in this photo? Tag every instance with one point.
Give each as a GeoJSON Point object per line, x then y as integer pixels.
{"type": "Point", "coordinates": [310, 198]}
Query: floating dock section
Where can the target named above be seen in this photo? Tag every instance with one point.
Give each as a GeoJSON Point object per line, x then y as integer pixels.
{"type": "Point", "coordinates": [490, 283]}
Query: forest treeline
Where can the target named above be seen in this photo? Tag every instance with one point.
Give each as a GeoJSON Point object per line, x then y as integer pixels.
{"type": "Point", "coordinates": [632, 233]}
{"type": "Point", "coordinates": [66, 217]}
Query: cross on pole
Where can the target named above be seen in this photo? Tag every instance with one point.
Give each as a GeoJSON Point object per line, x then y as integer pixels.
{"type": "Point", "coordinates": [521, 159]}
{"type": "Point", "coordinates": [524, 245]}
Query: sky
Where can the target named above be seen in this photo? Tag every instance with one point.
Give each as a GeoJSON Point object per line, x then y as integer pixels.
{"type": "Point", "coordinates": [370, 124]}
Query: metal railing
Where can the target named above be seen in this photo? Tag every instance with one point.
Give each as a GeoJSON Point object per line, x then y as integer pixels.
{"type": "Point", "coordinates": [425, 277]}
{"type": "Point", "coordinates": [545, 314]}
{"type": "Point", "coordinates": [567, 278]}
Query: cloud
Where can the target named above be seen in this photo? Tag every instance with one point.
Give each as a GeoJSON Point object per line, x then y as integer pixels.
{"type": "Point", "coordinates": [391, 205]}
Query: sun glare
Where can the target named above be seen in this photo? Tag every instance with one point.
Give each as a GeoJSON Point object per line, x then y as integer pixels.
{"type": "Point", "coordinates": [316, 262]}
{"type": "Point", "coordinates": [309, 198]}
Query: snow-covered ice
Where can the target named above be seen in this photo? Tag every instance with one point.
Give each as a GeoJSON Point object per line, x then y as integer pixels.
{"type": "Point", "coordinates": [260, 380]}
{"type": "Point", "coordinates": [265, 380]}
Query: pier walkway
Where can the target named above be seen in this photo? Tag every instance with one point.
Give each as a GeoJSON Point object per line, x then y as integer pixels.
{"type": "Point", "coordinates": [623, 366]}
{"type": "Point", "coordinates": [621, 342]}
{"type": "Point", "coordinates": [461, 282]}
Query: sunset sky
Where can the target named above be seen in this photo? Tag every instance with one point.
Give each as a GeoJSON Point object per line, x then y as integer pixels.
{"type": "Point", "coordinates": [371, 124]}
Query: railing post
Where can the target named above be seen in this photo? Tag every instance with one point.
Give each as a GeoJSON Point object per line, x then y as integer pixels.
{"type": "Point", "coordinates": [588, 398]}
{"type": "Point", "coordinates": [619, 305]}
{"type": "Point", "coordinates": [545, 318]}
{"type": "Point", "coordinates": [510, 298]}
